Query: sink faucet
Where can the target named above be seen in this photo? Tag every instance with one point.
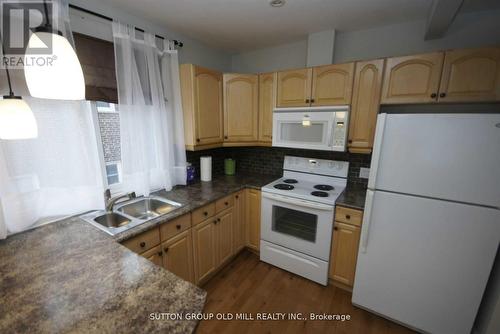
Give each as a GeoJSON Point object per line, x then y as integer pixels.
{"type": "Point", "coordinates": [110, 201]}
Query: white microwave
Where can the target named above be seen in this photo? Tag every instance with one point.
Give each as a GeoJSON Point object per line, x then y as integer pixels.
{"type": "Point", "coordinates": [314, 128]}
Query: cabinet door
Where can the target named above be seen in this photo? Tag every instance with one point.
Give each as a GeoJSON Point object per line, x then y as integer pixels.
{"type": "Point", "coordinates": [241, 107]}
{"type": "Point", "coordinates": [412, 79]}
{"type": "Point", "coordinates": [205, 259]}
{"type": "Point", "coordinates": [208, 106]}
{"type": "Point", "coordinates": [365, 105]}
{"type": "Point", "coordinates": [224, 236]}
{"type": "Point", "coordinates": [294, 88]}
{"type": "Point", "coordinates": [154, 255]}
{"type": "Point", "coordinates": [332, 84]}
{"type": "Point", "coordinates": [253, 219]}
{"type": "Point", "coordinates": [239, 221]}
{"type": "Point", "coordinates": [178, 256]}
{"type": "Point", "coordinates": [344, 253]}
{"type": "Point", "coordinates": [471, 75]}
{"type": "Point", "coordinates": [267, 101]}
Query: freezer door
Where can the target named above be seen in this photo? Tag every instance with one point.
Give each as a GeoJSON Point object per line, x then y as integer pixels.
{"type": "Point", "coordinates": [446, 156]}
{"type": "Point", "coordinates": [424, 262]}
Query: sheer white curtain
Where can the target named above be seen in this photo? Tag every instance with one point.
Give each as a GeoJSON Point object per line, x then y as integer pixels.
{"type": "Point", "coordinates": [55, 175]}
{"type": "Point", "coordinates": [151, 126]}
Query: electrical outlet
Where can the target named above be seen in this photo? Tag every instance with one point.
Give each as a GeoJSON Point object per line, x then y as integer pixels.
{"type": "Point", "coordinates": [364, 173]}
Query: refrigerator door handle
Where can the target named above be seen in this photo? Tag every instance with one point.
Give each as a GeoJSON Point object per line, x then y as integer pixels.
{"type": "Point", "coordinates": [365, 228]}
{"type": "Point", "coordinates": [377, 149]}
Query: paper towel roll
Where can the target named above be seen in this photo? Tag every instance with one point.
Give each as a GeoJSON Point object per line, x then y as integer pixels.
{"type": "Point", "coordinates": [206, 168]}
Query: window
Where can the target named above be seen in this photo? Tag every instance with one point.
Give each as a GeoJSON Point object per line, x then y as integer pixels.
{"type": "Point", "coordinates": [108, 118]}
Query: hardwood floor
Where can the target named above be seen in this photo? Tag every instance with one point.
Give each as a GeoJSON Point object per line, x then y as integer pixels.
{"type": "Point", "coordinates": [248, 285]}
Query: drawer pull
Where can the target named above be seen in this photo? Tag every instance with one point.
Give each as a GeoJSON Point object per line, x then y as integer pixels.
{"type": "Point", "coordinates": [335, 228]}
{"type": "Point", "coordinates": [226, 203]}
{"type": "Point", "coordinates": [348, 216]}
{"type": "Point", "coordinates": [165, 249]}
{"type": "Point", "coordinates": [160, 253]}
{"type": "Point", "coordinates": [215, 221]}
{"type": "Point", "coordinates": [237, 196]}
{"type": "Point", "coordinates": [142, 244]}
{"type": "Point", "coordinates": [178, 227]}
{"type": "Point", "coordinates": [205, 213]}
{"type": "Point", "coordinates": [218, 219]}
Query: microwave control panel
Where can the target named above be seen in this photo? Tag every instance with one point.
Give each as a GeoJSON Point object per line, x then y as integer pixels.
{"type": "Point", "coordinates": [339, 131]}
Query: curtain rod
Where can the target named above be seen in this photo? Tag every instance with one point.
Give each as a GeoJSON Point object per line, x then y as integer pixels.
{"type": "Point", "coordinates": [176, 42]}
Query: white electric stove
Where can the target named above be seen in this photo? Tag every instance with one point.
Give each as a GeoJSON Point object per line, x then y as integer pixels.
{"type": "Point", "coordinates": [297, 216]}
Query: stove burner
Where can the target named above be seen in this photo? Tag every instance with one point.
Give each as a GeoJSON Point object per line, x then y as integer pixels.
{"type": "Point", "coordinates": [319, 194]}
{"type": "Point", "coordinates": [290, 181]}
{"type": "Point", "coordinates": [282, 186]}
{"type": "Point", "coordinates": [323, 187]}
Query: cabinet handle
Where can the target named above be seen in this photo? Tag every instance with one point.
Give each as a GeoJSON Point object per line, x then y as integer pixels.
{"type": "Point", "coordinates": [336, 228]}
{"type": "Point", "coordinates": [218, 219]}
{"type": "Point", "coordinates": [178, 227]}
{"type": "Point", "coordinates": [142, 244]}
{"type": "Point", "coordinates": [198, 140]}
{"type": "Point", "coordinates": [215, 221]}
{"type": "Point", "coordinates": [160, 253]}
{"type": "Point", "coordinates": [225, 137]}
{"type": "Point", "coordinates": [205, 213]}
{"type": "Point", "coordinates": [312, 100]}
{"type": "Point", "coordinates": [226, 203]}
{"type": "Point", "coordinates": [348, 216]}
{"type": "Point", "coordinates": [442, 95]}
{"type": "Point", "coordinates": [307, 101]}
{"type": "Point", "coordinates": [165, 249]}
{"type": "Point", "coordinates": [349, 141]}
{"type": "Point", "coordinates": [433, 95]}
{"type": "Point", "coordinates": [237, 196]}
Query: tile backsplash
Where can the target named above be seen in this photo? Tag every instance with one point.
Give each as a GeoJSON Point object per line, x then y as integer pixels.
{"type": "Point", "coordinates": [269, 160]}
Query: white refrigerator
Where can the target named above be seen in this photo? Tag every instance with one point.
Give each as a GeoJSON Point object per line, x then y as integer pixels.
{"type": "Point", "coordinates": [431, 227]}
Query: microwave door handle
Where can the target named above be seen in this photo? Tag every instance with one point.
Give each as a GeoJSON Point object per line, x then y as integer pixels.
{"type": "Point", "coordinates": [298, 202]}
{"type": "Point", "coordinates": [332, 130]}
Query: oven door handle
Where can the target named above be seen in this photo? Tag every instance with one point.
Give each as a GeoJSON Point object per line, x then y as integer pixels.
{"type": "Point", "coordinates": [298, 202]}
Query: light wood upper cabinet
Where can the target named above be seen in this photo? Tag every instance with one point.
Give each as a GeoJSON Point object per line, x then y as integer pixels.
{"type": "Point", "coordinates": [205, 249]}
{"type": "Point", "coordinates": [241, 107]}
{"type": "Point", "coordinates": [332, 84]}
{"type": "Point", "coordinates": [344, 253]}
{"type": "Point", "coordinates": [471, 75]}
{"type": "Point", "coordinates": [239, 221]}
{"type": "Point", "coordinates": [294, 88]}
{"type": "Point", "coordinates": [178, 256]}
{"type": "Point", "coordinates": [412, 79]}
{"type": "Point", "coordinates": [224, 234]}
{"type": "Point", "coordinates": [365, 105]}
{"type": "Point", "coordinates": [253, 198]}
{"type": "Point", "coordinates": [267, 102]}
{"type": "Point", "coordinates": [201, 90]}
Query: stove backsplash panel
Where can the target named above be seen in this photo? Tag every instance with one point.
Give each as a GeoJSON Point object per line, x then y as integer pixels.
{"type": "Point", "coordinates": [269, 160]}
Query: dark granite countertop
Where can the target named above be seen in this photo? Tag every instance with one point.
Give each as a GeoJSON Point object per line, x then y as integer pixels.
{"type": "Point", "coordinates": [199, 194]}
{"type": "Point", "coordinates": [70, 277]}
{"type": "Point", "coordinates": [353, 197]}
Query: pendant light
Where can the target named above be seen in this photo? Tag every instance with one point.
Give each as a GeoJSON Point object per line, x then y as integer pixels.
{"type": "Point", "coordinates": [63, 80]}
{"type": "Point", "coordinates": [16, 118]}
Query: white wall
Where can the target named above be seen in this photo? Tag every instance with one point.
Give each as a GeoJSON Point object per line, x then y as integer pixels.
{"type": "Point", "coordinates": [468, 30]}
{"type": "Point", "coordinates": [192, 52]}
{"type": "Point", "coordinates": [279, 57]}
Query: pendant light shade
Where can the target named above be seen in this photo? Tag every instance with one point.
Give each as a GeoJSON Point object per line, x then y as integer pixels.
{"type": "Point", "coordinates": [63, 79]}
{"type": "Point", "coordinates": [16, 119]}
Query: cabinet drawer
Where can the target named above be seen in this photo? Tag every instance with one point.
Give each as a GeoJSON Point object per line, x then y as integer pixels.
{"type": "Point", "coordinates": [224, 203]}
{"type": "Point", "coordinates": [203, 213]}
{"type": "Point", "coordinates": [172, 228]}
{"type": "Point", "coordinates": [154, 255]}
{"type": "Point", "coordinates": [349, 216]}
{"type": "Point", "coordinates": [144, 241]}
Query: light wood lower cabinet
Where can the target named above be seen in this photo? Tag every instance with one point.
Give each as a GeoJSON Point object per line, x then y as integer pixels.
{"type": "Point", "coordinates": [154, 255]}
{"type": "Point", "coordinates": [205, 249]}
{"type": "Point", "coordinates": [253, 198]}
{"type": "Point", "coordinates": [178, 256]}
{"type": "Point", "coordinates": [239, 225]}
{"type": "Point", "coordinates": [344, 251]}
{"type": "Point", "coordinates": [224, 236]}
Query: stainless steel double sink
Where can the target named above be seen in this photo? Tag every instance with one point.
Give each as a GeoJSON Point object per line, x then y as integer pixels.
{"type": "Point", "coordinates": [130, 213]}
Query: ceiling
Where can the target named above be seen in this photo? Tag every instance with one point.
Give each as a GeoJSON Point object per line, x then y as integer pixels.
{"type": "Point", "coordinates": [242, 25]}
